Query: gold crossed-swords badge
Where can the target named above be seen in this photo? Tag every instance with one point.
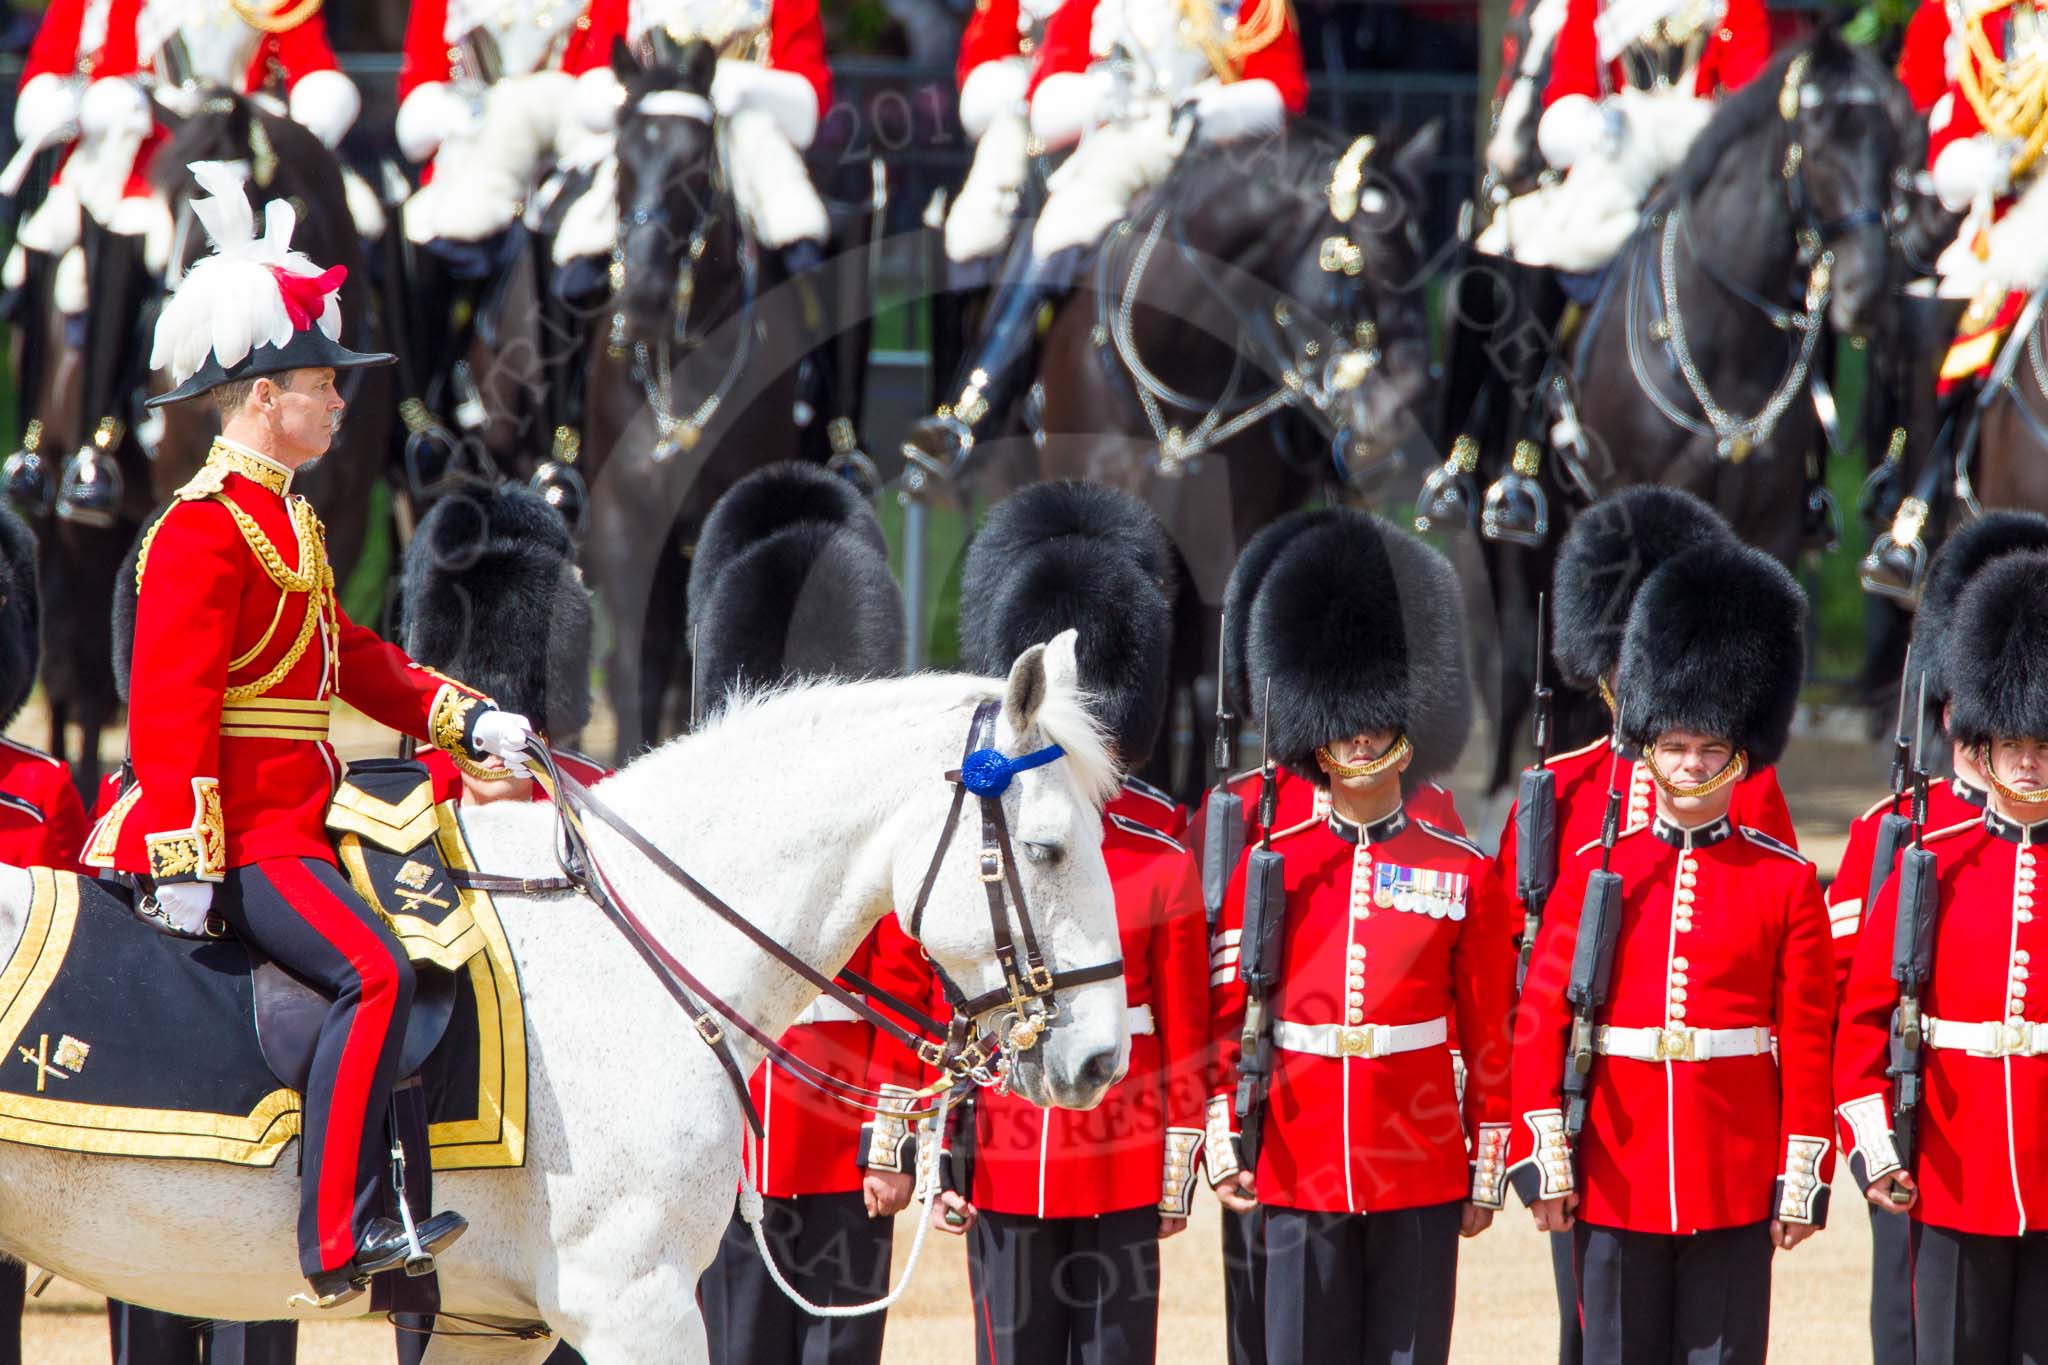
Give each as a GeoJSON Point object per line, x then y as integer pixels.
{"type": "Point", "coordinates": [69, 1061]}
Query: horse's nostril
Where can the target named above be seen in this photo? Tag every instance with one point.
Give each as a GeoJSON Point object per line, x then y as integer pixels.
{"type": "Point", "coordinates": [1099, 1071]}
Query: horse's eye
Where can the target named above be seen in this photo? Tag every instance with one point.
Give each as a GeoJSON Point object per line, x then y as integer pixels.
{"type": "Point", "coordinates": [1043, 855]}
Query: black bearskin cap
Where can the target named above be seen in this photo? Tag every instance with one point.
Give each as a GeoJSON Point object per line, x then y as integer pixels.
{"type": "Point", "coordinates": [1254, 562]}
{"type": "Point", "coordinates": [1967, 552]}
{"type": "Point", "coordinates": [1359, 627]}
{"type": "Point", "coordinates": [1610, 550]}
{"type": "Point", "coordinates": [491, 597]}
{"type": "Point", "coordinates": [1086, 557]}
{"type": "Point", "coordinates": [1996, 652]}
{"type": "Point", "coordinates": [125, 597]}
{"type": "Point", "coordinates": [1716, 643]}
{"type": "Point", "coordinates": [764, 502]}
{"type": "Point", "coordinates": [21, 615]}
{"type": "Point", "coordinates": [791, 580]}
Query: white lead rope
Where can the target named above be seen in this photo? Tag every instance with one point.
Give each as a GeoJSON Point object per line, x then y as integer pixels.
{"type": "Point", "coordinates": [932, 1130]}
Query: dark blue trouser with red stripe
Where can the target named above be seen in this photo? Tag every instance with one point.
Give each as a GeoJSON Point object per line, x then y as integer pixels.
{"type": "Point", "coordinates": [303, 914]}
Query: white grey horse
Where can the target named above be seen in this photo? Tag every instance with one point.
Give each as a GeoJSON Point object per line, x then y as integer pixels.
{"type": "Point", "coordinates": [815, 811]}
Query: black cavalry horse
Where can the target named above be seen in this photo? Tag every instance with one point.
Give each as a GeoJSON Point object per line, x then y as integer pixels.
{"type": "Point", "coordinates": [692, 375]}
{"type": "Point", "coordinates": [1251, 337]}
{"type": "Point", "coordinates": [1695, 365]}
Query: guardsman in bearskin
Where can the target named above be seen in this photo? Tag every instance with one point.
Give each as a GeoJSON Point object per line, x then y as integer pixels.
{"type": "Point", "coordinates": [240, 650]}
{"type": "Point", "coordinates": [791, 580]}
{"type": "Point", "coordinates": [1298, 803]}
{"type": "Point", "coordinates": [1611, 549]}
{"type": "Point", "coordinates": [1700, 1144]}
{"type": "Point", "coordinates": [1630, 87]}
{"type": "Point", "coordinates": [1966, 1160]}
{"type": "Point", "coordinates": [1335, 1106]}
{"type": "Point", "coordinates": [1956, 800]}
{"type": "Point", "coordinates": [1066, 1209]}
{"type": "Point", "coordinates": [1237, 66]}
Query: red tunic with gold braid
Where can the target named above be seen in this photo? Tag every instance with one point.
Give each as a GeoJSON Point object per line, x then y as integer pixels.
{"type": "Point", "coordinates": [796, 41]}
{"type": "Point", "coordinates": [1389, 936]}
{"type": "Point", "coordinates": [1734, 52]}
{"type": "Point", "coordinates": [812, 1143]}
{"type": "Point", "coordinates": [245, 649]}
{"type": "Point", "coordinates": [428, 56]}
{"type": "Point", "coordinates": [1982, 1163]}
{"type": "Point", "coordinates": [1709, 1096]}
{"type": "Point", "coordinates": [1069, 46]}
{"type": "Point", "coordinates": [1137, 1149]}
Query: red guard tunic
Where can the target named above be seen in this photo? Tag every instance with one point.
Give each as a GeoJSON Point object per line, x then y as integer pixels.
{"type": "Point", "coordinates": [1982, 1165]}
{"type": "Point", "coordinates": [1301, 802]}
{"type": "Point", "coordinates": [1141, 801]}
{"type": "Point", "coordinates": [1924, 56]}
{"type": "Point", "coordinates": [1733, 54]}
{"type": "Point", "coordinates": [1390, 931]}
{"type": "Point", "coordinates": [796, 41]}
{"type": "Point", "coordinates": [814, 1144]}
{"type": "Point", "coordinates": [580, 46]}
{"type": "Point", "coordinates": [63, 45]}
{"type": "Point", "coordinates": [1948, 803]}
{"type": "Point", "coordinates": [1137, 1149]}
{"type": "Point", "coordinates": [247, 649]}
{"type": "Point", "coordinates": [1069, 46]}
{"type": "Point", "coordinates": [994, 31]}
{"type": "Point", "coordinates": [42, 821]}
{"type": "Point", "coordinates": [1723, 934]}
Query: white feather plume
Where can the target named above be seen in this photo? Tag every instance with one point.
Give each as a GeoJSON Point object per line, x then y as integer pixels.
{"type": "Point", "coordinates": [229, 304]}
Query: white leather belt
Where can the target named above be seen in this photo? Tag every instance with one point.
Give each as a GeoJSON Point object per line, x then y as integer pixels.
{"type": "Point", "coordinates": [1991, 1039]}
{"type": "Point", "coordinates": [1138, 1020]}
{"type": "Point", "coordinates": [1359, 1040]}
{"type": "Point", "coordinates": [826, 1010]}
{"type": "Point", "coordinates": [1681, 1044]}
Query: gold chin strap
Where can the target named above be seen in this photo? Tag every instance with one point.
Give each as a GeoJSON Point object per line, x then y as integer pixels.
{"type": "Point", "coordinates": [1737, 767]}
{"type": "Point", "coordinates": [1394, 754]}
{"type": "Point", "coordinates": [2032, 798]}
{"type": "Point", "coordinates": [1607, 697]}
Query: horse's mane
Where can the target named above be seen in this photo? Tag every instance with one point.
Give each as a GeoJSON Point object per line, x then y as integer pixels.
{"type": "Point", "coordinates": [824, 703]}
{"type": "Point", "coordinates": [1740, 115]}
{"type": "Point", "coordinates": [1296, 160]}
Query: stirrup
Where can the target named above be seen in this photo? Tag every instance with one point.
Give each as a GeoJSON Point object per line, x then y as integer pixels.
{"type": "Point", "coordinates": [330, 1290]}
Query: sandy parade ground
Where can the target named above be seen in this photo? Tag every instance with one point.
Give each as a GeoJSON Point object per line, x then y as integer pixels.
{"type": "Point", "coordinates": [1505, 1305]}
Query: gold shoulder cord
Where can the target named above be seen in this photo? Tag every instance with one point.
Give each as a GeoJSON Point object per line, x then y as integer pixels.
{"type": "Point", "coordinates": [1226, 54]}
{"type": "Point", "coordinates": [2008, 100]}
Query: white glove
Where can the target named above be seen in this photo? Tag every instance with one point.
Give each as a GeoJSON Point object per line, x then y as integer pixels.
{"type": "Point", "coordinates": [326, 103]}
{"type": "Point", "coordinates": [1970, 167]}
{"type": "Point", "coordinates": [991, 91]}
{"type": "Point", "coordinates": [1241, 109]}
{"type": "Point", "coordinates": [431, 115]}
{"type": "Point", "coordinates": [1068, 104]}
{"type": "Point", "coordinates": [186, 905]}
{"type": "Point", "coordinates": [1568, 130]}
{"type": "Point", "coordinates": [504, 734]}
{"type": "Point", "coordinates": [783, 95]}
{"type": "Point", "coordinates": [113, 106]}
{"type": "Point", "coordinates": [46, 110]}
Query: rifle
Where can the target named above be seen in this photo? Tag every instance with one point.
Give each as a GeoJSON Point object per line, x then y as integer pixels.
{"type": "Point", "coordinates": [1893, 827]}
{"type": "Point", "coordinates": [1258, 962]}
{"type": "Point", "coordinates": [1593, 954]}
{"type": "Point", "coordinates": [1912, 962]}
{"type": "Point", "coordinates": [1223, 813]}
{"type": "Point", "coordinates": [1535, 819]}
{"type": "Point", "coordinates": [957, 1173]}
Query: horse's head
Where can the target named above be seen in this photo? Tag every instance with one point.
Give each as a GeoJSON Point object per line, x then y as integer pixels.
{"type": "Point", "coordinates": [1066, 1045]}
{"type": "Point", "coordinates": [1360, 268]}
{"type": "Point", "coordinates": [1842, 148]}
{"type": "Point", "coordinates": [1922, 226]}
{"type": "Point", "coordinates": [670, 184]}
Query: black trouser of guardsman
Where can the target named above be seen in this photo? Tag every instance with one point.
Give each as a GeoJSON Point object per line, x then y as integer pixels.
{"type": "Point", "coordinates": [1065, 1291]}
{"type": "Point", "coordinates": [1653, 1296]}
{"type": "Point", "coordinates": [1978, 1299]}
{"type": "Point", "coordinates": [144, 1336]}
{"type": "Point", "coordinates": [1571, 1341]}
{"type": "Point", "coordinates": [1891, 1279]}
{"type": "Point", "coordinates": [302, 913]}
{"type": "Point", "coordinates": [1244, 1278]}
{"type": "Point", "coordinates": [828, 1248]}
{"type": "Point", "coordinates": [1374, 1288]}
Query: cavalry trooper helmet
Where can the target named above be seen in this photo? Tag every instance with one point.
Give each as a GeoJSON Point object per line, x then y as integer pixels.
{"type": "Point", "coordinates": [1716, 644]}
{"type": "Point", "coordinates": [254, 307]}
{"type": "Point", "coordinates": [1611, 548]}
{"type": "Point", "coordinates": [790, 580]}
{"type": "Point", "coordinates": [1085, 557]}
{"type": "Point", "coordinates": [1360, 627]}
{"type": "Point", "coordinates": [491, 595]}
{"type": "Point", "coordinates": [1996, 653]}
{"type": "Point", "coordinates": [1967, 552]}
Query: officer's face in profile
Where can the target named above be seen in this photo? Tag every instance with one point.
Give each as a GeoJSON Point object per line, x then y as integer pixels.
{"type": "Point", "coordinates": [1687, 758]}
{"type": "Point", "coordinates": [306, 410]}
{"type": "Point", "coordinates": [2022, 764]}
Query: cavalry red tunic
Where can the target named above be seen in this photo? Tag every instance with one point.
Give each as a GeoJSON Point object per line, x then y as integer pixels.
{"type": "Point", "coordinates": [581, 47]}
{"type": "Point", "coordinates": [1733, 53]}
{"type": "Point", "coordinates": [1923, 56]}
{"type": "Point", "coordinates": [1982, 1165]}
{"type": "Point", "coordinates": [1137, 1149]}
{"type": "Point", "coordinates": [994, 31]}
{"type": "Point", "coordinates": [1722, 929]}
{"type": "Point", "coordinates": [796, 41]}
{"type": "Point", "coordinates": [42, 821]}
{"type": "Point", "coordinates": [1387, 927]}
{"type": "Point", "coordinates": [1948, 803]}
{"type": "Point", "coordinates": [1069, 46]}
{"type": "Point", "coordinates": [60, 46]}
{"type": "Point", "coordinates": [244, 650]}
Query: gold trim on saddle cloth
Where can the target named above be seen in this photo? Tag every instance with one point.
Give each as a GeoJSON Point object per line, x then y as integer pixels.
{"type": "Point", "coordinates": [253, 1139]}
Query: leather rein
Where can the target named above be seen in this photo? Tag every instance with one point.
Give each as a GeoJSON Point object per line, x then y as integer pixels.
{"type": "Point", "coordinates": [1023, 1004]}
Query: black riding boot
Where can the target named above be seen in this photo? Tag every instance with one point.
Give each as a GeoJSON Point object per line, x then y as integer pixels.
{"type": "Point", "coordinates": [994, 375]}
{"type": "Point", "coordinates": [90, 490]}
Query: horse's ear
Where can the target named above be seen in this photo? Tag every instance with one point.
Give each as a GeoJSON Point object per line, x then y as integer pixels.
{"type": "Point", "coordinates": [1418, 154]}
{"type": "Point", "coordinates": [624, 64]}
{"type": "Point", "coordinates": [1026, 690]}
{"type": "Point", "coordinates": [700, 64]}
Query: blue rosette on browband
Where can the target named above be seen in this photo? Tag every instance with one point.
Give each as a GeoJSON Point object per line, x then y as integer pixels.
{"type": "Point", "coordinates": [987, 772]}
